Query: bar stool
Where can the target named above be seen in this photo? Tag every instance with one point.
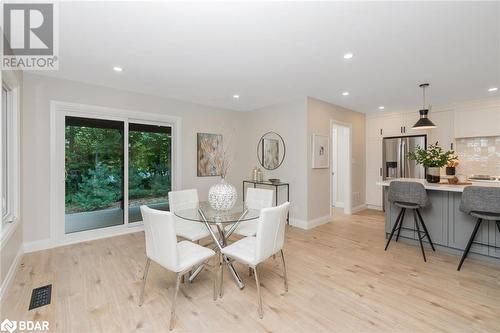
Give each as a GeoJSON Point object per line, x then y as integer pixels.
{"type": "Point", "coordinates": [483, 203]}
{"type": "Point", "coordinates": [409, 195]}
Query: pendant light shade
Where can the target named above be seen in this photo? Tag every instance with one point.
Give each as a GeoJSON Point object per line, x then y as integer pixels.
{"type": "Point", "coordinates": [424, 122]}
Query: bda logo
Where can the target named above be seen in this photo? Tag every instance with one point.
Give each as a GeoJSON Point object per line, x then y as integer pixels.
{"type": "Point", "coordinates": [8, 325]}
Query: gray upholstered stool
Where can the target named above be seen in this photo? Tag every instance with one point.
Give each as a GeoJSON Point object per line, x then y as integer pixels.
{"type": "Point", "coordinates": [409, 195]}
{"type": "Point", "coordinates": [483, 203]}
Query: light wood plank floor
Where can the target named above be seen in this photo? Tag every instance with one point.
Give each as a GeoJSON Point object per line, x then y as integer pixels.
{"type": "Point", "coordinates": [340, 280]}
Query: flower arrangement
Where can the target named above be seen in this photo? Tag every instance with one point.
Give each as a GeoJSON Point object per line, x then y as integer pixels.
{"type": "Point", "coordinates": [453, 162]}
{"type": "Point", "coordinates": [432, 157]}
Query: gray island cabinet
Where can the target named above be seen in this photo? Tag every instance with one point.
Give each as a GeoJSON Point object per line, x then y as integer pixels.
{"type": "Point", "coordinates": [448, 227]}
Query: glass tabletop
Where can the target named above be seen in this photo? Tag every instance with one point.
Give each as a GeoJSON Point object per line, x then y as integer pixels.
{"type": "Point", "coordinates": [238, 213]}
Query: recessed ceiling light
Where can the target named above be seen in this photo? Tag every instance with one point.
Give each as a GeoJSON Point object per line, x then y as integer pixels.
{"type": "Point", "coordinates": [381, 107]}
{"type": "Point", "coordinates": [345, 93]}
{"type": "Point", "coordinates": [348, 56]}
{"type": "Point", "coordinates": [117, 69]}
{"type": "Point", "coordinates": [492, 89]}
{"type": "Point", "coordinates": [236, 96]}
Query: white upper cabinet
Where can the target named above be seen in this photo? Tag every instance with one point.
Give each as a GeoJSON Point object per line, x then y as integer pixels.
{"type": "Point", "coordinates": [392, 125]}
{"type": "Point", "coordinates": [443, 133]}
{"type": "Point", "coordinates": [477, 119]}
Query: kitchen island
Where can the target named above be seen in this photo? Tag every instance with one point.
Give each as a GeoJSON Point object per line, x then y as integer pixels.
{"type": "Point", "coordinates": [448, 227]}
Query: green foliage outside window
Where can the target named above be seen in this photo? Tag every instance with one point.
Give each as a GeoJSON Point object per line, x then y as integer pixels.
{"type": "Point", "coordinates": [94, 167]}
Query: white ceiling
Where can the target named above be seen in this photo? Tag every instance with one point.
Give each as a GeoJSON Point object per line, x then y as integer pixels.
{"type": "Point", "coordinates": [270, 52]}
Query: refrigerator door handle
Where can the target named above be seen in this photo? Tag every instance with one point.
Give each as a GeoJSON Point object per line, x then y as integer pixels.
{"type": "Point", "coordinates": [403, 158]}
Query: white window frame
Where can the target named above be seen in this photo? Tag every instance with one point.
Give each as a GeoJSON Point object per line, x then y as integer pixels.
{"type": "Point", "coordinates": [58, 113]}
{"type": "Point", "coordinates": [12, 217]}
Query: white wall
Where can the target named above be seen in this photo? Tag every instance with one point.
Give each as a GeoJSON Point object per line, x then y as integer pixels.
{"type": "Point", "coordinates": [288, 120]}
{"type": "Point", "coordinates": [319, 115]}
{"type": "Point", "coordinates": [40, 90]}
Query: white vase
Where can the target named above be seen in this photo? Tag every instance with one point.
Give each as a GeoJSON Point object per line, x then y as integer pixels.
{"type": "Point", "coordinates": [222, 196]}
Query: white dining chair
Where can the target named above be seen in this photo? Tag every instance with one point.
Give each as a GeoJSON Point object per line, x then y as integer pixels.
{"type": "Point", "coordinates": [256, 198]}
{"type": "Point", "coordinates": [162, 248]}
{"type": "Point", "coordinates": [253, 250]}
{"type": "Point", "coordinates": [187, 199]}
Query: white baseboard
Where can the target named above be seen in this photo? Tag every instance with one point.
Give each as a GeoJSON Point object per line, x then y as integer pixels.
{"type": "Point", "coordinates": [358, 208]}
{"type": "Point", "coordinates": [298, 223]}
{"type": "Point", "coordinates": [9, 278]}
{"type": "Point", "coordinates": [374, 207]}
{"type": "Point", "coordinates": [339, 205]}
{"type": "Point", "coordinates": [45, 244]}
{"type": "Point", "coordinates": [39, 245]}
{"type": "Point", "coordinates": [318, 221]}
{"type": "Point", "coordinates": [306, 225]}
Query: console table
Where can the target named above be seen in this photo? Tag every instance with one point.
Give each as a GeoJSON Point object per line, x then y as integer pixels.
{"type": "Point", "coordinates": [276, 186]}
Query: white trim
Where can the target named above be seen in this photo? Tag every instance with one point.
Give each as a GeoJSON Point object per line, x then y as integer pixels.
{"type": "Point", "coordinates": [11, 82]}
{"type": "Point", "coordinates": [319, 221]}
{"type": "Point", "coordinates": [301, 224]}
{"type": "Point", "coordinates": [83, 236]}
{"type": "Point", "coordinates": [9, 278]}
{"type": "Point", "coordinates": [339, 205]}
{"type": "Point", "coordinates": [307, 225]}
{"type": "Point", "coordinates": [348, 193]}
{"type": "Point", "coordinates": [374, 207]}
{"type": "Point", "coordinates": [58, 111]}
{"type": "Point", "coordinates": [358, 208]}
{"type": "Point", "coordinates": [8, 230]}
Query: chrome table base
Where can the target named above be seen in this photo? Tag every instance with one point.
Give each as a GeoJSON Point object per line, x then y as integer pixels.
{"type": "Point", "coordinates": [221, 243]}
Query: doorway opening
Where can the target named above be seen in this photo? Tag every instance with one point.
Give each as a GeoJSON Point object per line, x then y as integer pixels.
{"type": "Point", "coordinates": [340, 185]}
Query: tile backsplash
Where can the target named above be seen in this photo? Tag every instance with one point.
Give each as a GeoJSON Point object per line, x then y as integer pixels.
{"type": "Point", "coordinates": [478, 156]}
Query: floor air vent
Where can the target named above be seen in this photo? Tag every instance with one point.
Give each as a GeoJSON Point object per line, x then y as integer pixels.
{"type": "Point", "coordinates": [40, 296]}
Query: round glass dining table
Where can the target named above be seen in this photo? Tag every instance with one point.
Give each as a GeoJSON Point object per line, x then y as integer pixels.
{"type": "Point", "coordinates": [220, 225]}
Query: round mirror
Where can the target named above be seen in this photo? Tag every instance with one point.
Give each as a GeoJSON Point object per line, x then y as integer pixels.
{"type": "Point", "coordinates": [271, 150]}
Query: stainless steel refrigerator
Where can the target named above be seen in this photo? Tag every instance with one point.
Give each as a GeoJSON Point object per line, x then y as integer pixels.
{"type": "Point", "coordinates": [395, 157]}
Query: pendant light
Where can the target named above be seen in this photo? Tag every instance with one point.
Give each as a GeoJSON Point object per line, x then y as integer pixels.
{"type": "Point", "coordinates": [424, 122]}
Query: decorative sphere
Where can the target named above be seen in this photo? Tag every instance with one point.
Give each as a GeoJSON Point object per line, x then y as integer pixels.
{"type": "Point", "coordinates": [222, 196]}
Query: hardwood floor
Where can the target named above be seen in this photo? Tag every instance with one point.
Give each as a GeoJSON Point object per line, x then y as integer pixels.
{"type": "Point", "coordinates": [340, 280]}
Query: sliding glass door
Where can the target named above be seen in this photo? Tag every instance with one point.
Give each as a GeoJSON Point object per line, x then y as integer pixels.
{"type": "Point", "coordinates": [149, 167]}
{"type": "Point", "coordinates": [94, 173]}
{"type": "Point", "coordinates": [100, 169]}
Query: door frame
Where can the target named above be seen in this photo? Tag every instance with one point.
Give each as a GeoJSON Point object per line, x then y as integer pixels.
{"type": "Point", "coordinates": [348, 186]}
{"type": "Point", "coordinates": [58, 111]}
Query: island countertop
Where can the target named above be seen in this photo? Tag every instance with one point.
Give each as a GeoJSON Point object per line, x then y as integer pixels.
{"type": "Point", "coordinates": [440, 186]}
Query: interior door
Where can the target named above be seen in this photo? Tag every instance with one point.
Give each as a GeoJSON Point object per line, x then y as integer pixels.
{"type": "Point", "coordinates": [334, 173]}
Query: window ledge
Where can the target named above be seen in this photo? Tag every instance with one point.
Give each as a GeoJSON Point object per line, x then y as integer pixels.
{"type": "Point", "coordinates": [8, 230]}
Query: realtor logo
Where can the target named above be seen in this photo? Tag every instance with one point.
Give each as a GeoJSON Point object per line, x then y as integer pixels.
{"type": "Point", "coordinates": [8, 325]}
{"type": "Point", "coordinates": [30, 36]}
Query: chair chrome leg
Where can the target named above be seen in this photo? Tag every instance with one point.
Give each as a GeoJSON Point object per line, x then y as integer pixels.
{"type": "Point", "coordinates": [144, 277]}
{"type": "Point", "coordinates": [174, 299]}
{"type": "Point", "coordinates": [215, 277]}
{"type": "Point", "coordinates": [261, 313]}
{"type": "Point", "coordinates": [221, 271]}
{"type": "Point", "coordinates": [469, 244]}
{"type": "Point", "coordinates": [284, 270]}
